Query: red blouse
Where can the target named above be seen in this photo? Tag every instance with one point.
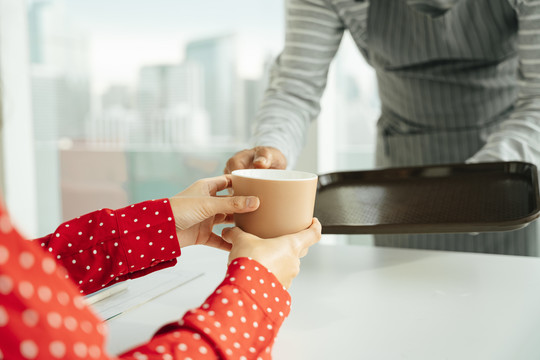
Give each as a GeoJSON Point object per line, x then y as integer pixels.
{"type": "Point", "coordinates": [44, 316]}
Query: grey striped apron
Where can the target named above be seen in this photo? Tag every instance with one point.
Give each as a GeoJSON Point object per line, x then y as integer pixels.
{"type": "Point", "coordinates": [445, 83]}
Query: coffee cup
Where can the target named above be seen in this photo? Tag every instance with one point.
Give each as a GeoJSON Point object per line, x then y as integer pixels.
{"type": "Point", "coordinates": [287, 200]}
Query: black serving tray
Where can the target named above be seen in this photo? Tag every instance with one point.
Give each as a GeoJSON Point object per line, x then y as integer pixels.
{"type": "Point", "coordinates": [452, 198]}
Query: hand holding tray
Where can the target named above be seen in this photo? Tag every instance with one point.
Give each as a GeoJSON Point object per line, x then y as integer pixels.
{"type": "Point", "coordinates": [452, 198]}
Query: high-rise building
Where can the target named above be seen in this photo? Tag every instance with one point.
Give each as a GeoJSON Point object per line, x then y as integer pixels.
{"type": "Point", "coordinates": [253, 93]}
{"type": "Point", "coordinates": [217, 58]}
{"type": "Point", "coordinates": [253, 90]}
{"type": "Point", "coordinates": [170, 103]}
{"type": "Point", "coordinates": [46, 87]}
{"type": "Point", "coordinates": [118, 96]}
{"type": "Point", "coordinates": [60, 98]}
{"type": "Point", "coordinates": [356, 101]}
{"type": "Point", "coordinates": [162, 87]}
{"type": "Point", "coordinates": [60, 50]}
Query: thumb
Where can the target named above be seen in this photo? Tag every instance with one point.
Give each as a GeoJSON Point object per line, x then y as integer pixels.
{"type": "Point", "coordinates": [230, 235]}
{"type": "Point", "coordinates": [231, 204]}
{"type": "Point", "coordinates": [266, 157]}
{"type": "Point", "coordinates": [262, 158]}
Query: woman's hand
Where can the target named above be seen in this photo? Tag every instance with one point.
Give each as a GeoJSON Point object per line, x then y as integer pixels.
{"type": "Point", "coordinates": [280, 255]}
{"type": "Point", "coordinates": [197, 209]}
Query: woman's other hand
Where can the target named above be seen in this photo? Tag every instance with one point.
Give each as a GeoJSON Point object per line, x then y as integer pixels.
{"type": "Point", "coordinates": [280, 255]}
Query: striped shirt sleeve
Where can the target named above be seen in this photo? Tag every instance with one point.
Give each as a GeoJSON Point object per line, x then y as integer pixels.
{"type": "Point", "coordinates": [519, 135]}
{"type": "Point", "coordinates": [298, 76]}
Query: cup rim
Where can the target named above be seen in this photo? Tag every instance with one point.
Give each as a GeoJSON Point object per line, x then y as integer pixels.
{"type": "Point", "coordinates": [270, 174]}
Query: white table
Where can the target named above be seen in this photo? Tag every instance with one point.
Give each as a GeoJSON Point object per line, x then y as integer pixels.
{"type": "Point", "coordinates": [361, 302]}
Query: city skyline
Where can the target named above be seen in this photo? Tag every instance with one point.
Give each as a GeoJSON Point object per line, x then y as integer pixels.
{"type": "Point", "coordinates": [168, 107]}
{"type": "Point", "coordinates": [212, 73]}
{"type": "Point", "coordinates": [200, 95]}
{"type": "Point", "coordinates": [125, 35]}
{"type": "Point", "coordinates": [202, 100]}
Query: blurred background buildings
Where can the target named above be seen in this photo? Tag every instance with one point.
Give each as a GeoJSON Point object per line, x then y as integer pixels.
{"type": "Point", "coordinates": [103, 140]}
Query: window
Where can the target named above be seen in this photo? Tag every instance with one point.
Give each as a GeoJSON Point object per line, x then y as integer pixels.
{"type": "Point", "coordinates": [132, 100]}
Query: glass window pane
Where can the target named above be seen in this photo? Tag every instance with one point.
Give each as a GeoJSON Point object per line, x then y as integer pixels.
{"type": "Point", "coordinates": [133, 100]}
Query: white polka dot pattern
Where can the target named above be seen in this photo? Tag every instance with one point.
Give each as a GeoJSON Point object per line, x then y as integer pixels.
{"type": "Point", "coordinates": [36, 308]}
{"type": "Point", "coordinates": [52, 320]}
{"type": "Point", "coordinates": [99, 249]}
{"type": "Point", "coordinates": [237, 322]}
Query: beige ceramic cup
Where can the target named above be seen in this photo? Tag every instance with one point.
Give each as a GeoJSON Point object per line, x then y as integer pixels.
{"type": "Point", "coordinates": [287, 200]}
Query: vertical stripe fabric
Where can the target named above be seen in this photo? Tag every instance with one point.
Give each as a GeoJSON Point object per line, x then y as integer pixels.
{"type": "Point", "coordinates": [459, 80]}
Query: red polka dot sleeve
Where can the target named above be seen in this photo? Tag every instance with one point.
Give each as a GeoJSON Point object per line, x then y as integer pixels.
{"type": "Point", "coordinates": [239, 320]}
{"type": "Point", "coordinates": [43, 316]}
{"type": "Point", "coordinates": [106, 246]}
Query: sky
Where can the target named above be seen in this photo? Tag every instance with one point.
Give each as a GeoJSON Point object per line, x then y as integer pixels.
{"type": "Point", "coordinates": [158, 16]}
{"type": "Point", "coordinates": [123, 35]}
